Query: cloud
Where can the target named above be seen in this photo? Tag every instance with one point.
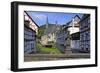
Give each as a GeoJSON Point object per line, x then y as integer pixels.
{"type": "Point", "coordinates": [39, 16]}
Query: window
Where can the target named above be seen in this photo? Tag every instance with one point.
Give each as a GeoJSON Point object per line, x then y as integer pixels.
{"type": "Point", "coordinates": [88, 20]}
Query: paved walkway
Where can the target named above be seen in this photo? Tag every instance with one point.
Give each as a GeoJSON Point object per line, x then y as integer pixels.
{"type": "Point", "coordinates": [40, 57]}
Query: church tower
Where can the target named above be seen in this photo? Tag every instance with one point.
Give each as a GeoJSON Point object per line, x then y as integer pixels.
{"type": "Point", "coordinates": [47, 23]}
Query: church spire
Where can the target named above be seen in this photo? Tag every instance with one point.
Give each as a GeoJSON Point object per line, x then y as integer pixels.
{"type": "Point", "coordinates": [47, 22]}
{"type": "Point", "coordinates": [56, 22]}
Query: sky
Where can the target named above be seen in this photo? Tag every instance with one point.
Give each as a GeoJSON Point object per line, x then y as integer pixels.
{"type": "Point", "coordinates": [61, 18]}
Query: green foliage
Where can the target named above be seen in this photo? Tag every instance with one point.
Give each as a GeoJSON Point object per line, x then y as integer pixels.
{"type": "Point", "coordinates": [40, 32]}
{"type": "Point", "coordinates": [45, 50]}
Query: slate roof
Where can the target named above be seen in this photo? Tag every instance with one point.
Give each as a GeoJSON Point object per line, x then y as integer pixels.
{"type": "Point", "coordinates": [77, 19]}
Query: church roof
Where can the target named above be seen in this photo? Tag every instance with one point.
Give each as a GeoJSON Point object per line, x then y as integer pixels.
{"type": "Point", "coordinates": [52, 28]}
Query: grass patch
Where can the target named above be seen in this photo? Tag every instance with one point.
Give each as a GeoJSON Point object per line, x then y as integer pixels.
{"type": "Point", "coordinates": [46, 50]}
